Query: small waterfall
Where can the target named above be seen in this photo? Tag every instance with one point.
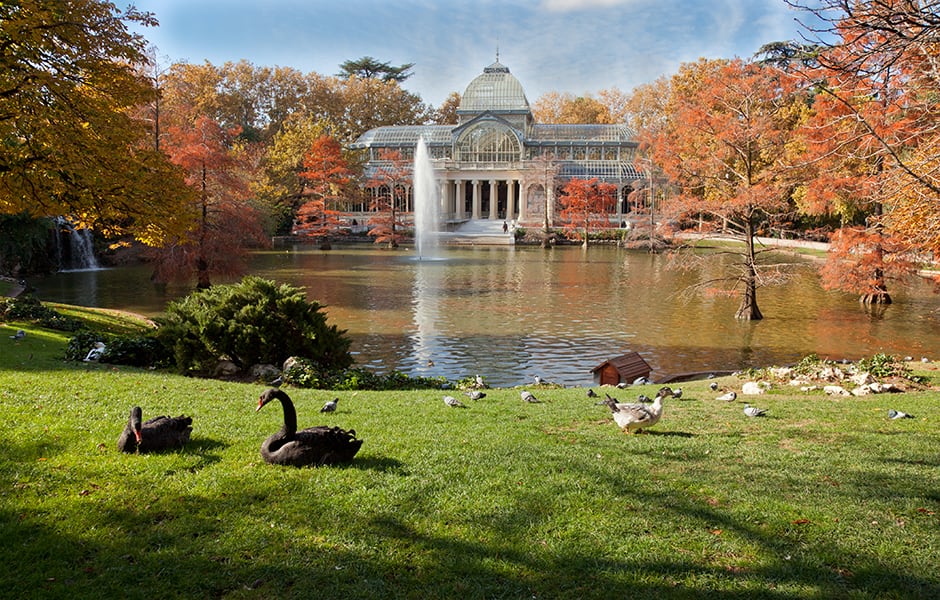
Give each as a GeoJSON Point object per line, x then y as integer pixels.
{"type": "Point", "coordinates": [73, 247]}
{"type": "Point", "coordinates": [426, 202]}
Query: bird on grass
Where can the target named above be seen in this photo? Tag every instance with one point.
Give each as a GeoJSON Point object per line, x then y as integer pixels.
{"type": "Point", "coordinates": [537, 379]}
{"type": "Point", "coordinates": [591, 393]}
{"type": "Point", "coordinates": [313, 446]}
{"type": "Point", "coordinates": [330, 406]}
{"type": "Point", "coordinates": [475, 394]}
{"type": "Point", "coordinates": [451, 401]}
{"type": "Point", "coordinates": [643, 398]}
{"type": "Point", "coordinates": [528, 397]}
{"type": "Point", "coordinates": [896, 414]}
{"type": "Point", "coordinates": [729, 397]}
{"type": "Point", "coordinates": [20, 334]}
{"type": "Point", "coordinates": [641, 381]}
{"type": "Point", "coordinates": [636, 417]}
{"type": "Point", "coordinates": [753, 411]}
{"type": "Point", "coordinates": [677, 393]}
{"type": "Point", "coordinates": [713, 386]}
{"type": "Point", "coordinates": [156, 434]}
{"type": "Point", "coordinates": [480, 383]}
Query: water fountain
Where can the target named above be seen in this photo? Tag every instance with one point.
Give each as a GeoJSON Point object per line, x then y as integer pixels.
{"type": "Point", "coordinates": [426, 203]}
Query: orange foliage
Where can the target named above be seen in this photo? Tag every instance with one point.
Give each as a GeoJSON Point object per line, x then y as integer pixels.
{"type": "Point", "coordinates": [226, 224]}
{"type": "Point", "coordinates": [390, 182]}
{"type": "Point", "coordinates": [586, 206]}
{"type": "Point", "coordinates": [326, 173]}
{"type": "Point", "coordinates": [859, 262]}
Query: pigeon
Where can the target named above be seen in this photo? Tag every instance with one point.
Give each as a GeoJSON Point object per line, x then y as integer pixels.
{"type": "Point", "coordinates": [528, 397]}
{"type": "Point", "coordinates": [591, 393]}
{"type": "Point", "coordinates": [643, 398]}
{"type": "Point", "coordinates": [475, 394]}
{"type": "Point", "coordinates": [713, 385]}
{"type": "Point", "coordinates": [20, 334]}
{"type": "Point", "coordinates": [276, 382]}
{"type": "Point", "coordinates": [896, 414]}
{"type": "Point", "coordinates": [641, 381]}
{"type": "Point", "coordinates": [677, 393]}
{"type": "Point", "coordinates": [729, 397]}
{"type": "Point", "coordinates": [451, 401]}
{"type": "Point", "coordinates": [330, 406]}
{"type": "Point", "coordinates": [753, 411]}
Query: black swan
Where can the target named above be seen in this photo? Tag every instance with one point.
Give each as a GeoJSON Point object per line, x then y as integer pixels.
{"type": "Point", "coordinates": [312, 446]}
{"type": "Point", "coordinates": [159, 433]}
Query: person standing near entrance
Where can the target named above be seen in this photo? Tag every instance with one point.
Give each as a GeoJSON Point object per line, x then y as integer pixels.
{"type": "Point", "coordinates": [505, 227]}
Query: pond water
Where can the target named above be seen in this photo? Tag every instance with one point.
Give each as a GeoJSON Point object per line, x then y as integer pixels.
{"type": "Point", "coordinates": [510, 313]}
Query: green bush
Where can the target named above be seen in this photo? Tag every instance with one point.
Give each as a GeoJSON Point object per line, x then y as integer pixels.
{"type": "Point", "coordinates": [251, 322]}
{"type": "Point", "coordinates": [29, 308]}
{"type": "Point", "coordinates": [130, 350]}
{"type": "Point", "coordinates": [305, 374]}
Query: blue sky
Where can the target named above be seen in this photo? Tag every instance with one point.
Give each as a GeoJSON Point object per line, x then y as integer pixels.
{"type": "Point", "coordinates": [576, 46]}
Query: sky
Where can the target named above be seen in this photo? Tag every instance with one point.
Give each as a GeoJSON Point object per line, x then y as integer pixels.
{"type": "Point", "coordinates": [567, 46]}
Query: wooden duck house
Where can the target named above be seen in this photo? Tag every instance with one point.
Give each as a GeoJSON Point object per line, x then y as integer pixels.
{"type": "Point", "coordinates": [625, 368]}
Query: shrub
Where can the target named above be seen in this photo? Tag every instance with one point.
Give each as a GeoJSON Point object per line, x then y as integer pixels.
{"type": "Point", "coordinates": [131, 350]}
{"type": "Point", "coordinates": [29, 308]}
{"type": "Point", "coordinates": [884, 365]}
{"type": "Point", "coordinates": [251, 322]}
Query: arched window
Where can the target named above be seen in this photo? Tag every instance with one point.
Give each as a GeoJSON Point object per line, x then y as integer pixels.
{"type": "Point", "coordinates": [488, 142]}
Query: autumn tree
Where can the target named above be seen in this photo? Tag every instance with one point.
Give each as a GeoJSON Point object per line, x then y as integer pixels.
{"type": "Point", "coordinates": [446, 113]}
{"type": "Point", "coordinates": [728, 123]}
{"type": "Point", "coordinates": [390, 183]}
{"type": "Point", "coordinates": [586, 207]}
{"type": "Point", "coordinates": [69, 80]}
{"type": "Point", "coordinates": [567, 108]}
{"type": "Point", "coordinates": [327, 174]}
{"type": "Point", "coordinates": [225, 224]}
{"type": "Point", "coordinates": [874, 74]}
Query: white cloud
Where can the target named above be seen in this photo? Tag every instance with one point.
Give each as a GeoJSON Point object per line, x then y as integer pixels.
{"type": "Point", "coordinates": [572, 5]}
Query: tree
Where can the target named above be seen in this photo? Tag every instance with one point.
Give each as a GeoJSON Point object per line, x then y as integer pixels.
{"type": "Point", "coordinates": [327, 173]}
{"type": "Point", "coordinates": [68, 82]}
{"type": "Point", "coordinates": [727, 123]}
{"type": "Point", "coordinates": [586, 206]}
{"type": "Point", "coordinates": [390, 183]}
{"type": "Point", "coordinates": [225, 224]}
{"type": "Point", "coordinates": [553, 107]}
{"type": "Point", "coordinates": [370, 68]}
{"type": "Point", "coordinates": [446, 113]}
{"type": "Point", "coordinates": [874, 70]}
{"type": "Point", "coordinates": [370, 103]}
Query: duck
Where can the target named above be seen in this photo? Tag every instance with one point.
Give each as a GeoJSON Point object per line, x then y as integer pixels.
{"type": "Point", "coordinates": [158, 433]}
{"type": "Point", "coordinates": [636, 417]}
{"type": "Point", "coordinates": [314, 446]}
{"type": "Point", "coordinates": [329, 406]}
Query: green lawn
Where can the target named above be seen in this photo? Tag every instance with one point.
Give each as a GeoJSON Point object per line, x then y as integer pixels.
{"type": "Point", "coordinates": [824, 498]}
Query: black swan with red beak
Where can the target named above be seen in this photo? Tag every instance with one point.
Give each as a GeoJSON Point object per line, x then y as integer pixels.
{"type": "Point", "coordinates": [159, 433]}
{"type": "Point", "coordinates": [314, 446]}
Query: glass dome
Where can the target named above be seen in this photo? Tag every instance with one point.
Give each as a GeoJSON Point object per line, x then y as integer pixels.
{"type": "Point", "coordinates": [496, 90]}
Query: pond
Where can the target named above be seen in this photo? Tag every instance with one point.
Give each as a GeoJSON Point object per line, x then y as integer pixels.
{"type": "Point", "coordinates": [510, 313]}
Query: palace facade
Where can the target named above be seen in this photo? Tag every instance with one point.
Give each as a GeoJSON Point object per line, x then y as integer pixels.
{"type": "Point", "coordinates": [498, 163]}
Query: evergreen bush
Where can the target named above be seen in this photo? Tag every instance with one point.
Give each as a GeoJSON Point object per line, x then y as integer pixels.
{"type": "Point", "coordinates": [252, 322]}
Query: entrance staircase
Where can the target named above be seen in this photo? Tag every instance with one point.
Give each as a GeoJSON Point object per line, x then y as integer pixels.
{"type": "Point", "coordinates": [482, 232]}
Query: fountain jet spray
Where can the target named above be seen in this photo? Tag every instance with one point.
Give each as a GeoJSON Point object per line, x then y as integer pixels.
{"type": "Point", "coordinates": [427, 204]}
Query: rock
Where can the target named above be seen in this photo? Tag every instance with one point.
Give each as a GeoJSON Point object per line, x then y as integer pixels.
{"type": "Point", "coordinates": [263, 372]}
{"type": "Point", "coordinates": [752, 388]}
{"type": "Point", "coordinates": [225, 368]}
{"type": "Point", "coordinates": [290, 362]}
{"type": "Point", "coordinates": [836, 390]}
{"type": "Point", "coordinates": [863, 378]}
{"type": "Point", "coordinates": [781, 372]}
{"type": "Point", "coordinates": [862, 390]}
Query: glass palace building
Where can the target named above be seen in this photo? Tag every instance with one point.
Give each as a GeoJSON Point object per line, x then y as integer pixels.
{"type": "Point", "coordinates": [497, 162]}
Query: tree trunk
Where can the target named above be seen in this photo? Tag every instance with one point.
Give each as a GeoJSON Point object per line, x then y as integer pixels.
{"type": "Point", "coordinates": [748, 311]}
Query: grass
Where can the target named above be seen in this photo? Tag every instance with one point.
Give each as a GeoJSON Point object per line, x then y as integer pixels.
{"type": "Point", "coordinates": [825, 498]}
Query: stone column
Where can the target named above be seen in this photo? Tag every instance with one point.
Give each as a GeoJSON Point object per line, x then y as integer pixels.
{"type": "Point", "coordinates": [442, 200]}
{"type": "Point", "coordinates": [476, 199]}
{"type": "Point", "coordinates": [511, 200]}
{"type": "Point", "coordinates": [494, 197]}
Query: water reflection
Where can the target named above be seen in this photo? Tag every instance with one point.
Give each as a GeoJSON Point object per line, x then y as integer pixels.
{"type": "Point", "coordinates": [509, 313]}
